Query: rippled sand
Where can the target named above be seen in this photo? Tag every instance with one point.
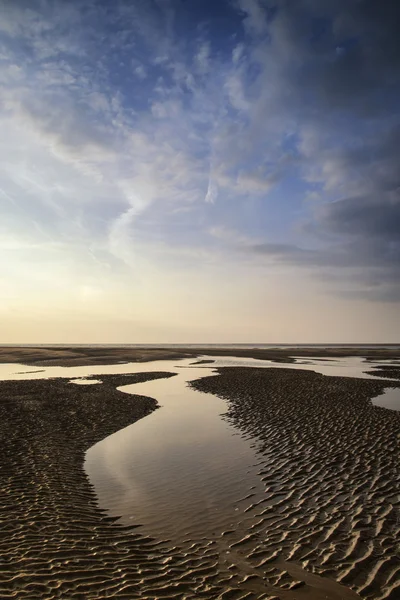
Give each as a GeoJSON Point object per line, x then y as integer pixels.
{"type": "Point", "coordinates": [327, 527]}
{"type": "Point", "coordinates": [331, 469]}
{"type": "Point", "coordinates": [389, 371]}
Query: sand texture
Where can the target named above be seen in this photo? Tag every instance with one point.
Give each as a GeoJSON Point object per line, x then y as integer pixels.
{"type": "Point", "coordinates": [77, 356]}
{"type": "Point", "coordinates": [331, 467]}
{"type": "Point", "coordinates": [56, 543]}
{"type": "Point", "coordinates": [327, 529]}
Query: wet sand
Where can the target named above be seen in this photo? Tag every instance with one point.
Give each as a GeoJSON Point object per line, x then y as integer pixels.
{"type": "Point", "coordinates": [390, 372]}
{"type": "Point", "coordinates": [80, 356]}
{"type": "Point", "coordinates": [77, 356]}
{"type": "Point", "coordinates": [331, 467]}
{"type": "Point", "coordinates": [328, 527]}
{"type": "Point", "coordinates": [54, 542]}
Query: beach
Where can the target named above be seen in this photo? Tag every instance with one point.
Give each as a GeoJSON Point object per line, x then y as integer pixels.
{"type": "Point", "coordinates": [331, 468]}
{"type": "Point", "coordinates": [327, 528]}
{"type": "Point", "coordinates": [92, 355]}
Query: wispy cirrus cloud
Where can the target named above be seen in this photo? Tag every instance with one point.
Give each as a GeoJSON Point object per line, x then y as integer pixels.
{"type": "Point", "coordinates": [146, 133]}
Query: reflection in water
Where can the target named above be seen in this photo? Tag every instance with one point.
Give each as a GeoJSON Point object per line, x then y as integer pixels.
{"type": "Point", "coordinates": [390, 399]}
{"type": "Point", "coordinates": [353, 366]}
{"type": "Point", "coordinates": [185, 474]}
{"type": "Point", "coordinates": [182, 471]}
{"type": "Point", "coordinates": [85, 381]}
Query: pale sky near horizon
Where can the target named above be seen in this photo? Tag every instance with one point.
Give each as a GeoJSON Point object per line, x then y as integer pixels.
{"type": "Point", "coordinates": [199, 171]}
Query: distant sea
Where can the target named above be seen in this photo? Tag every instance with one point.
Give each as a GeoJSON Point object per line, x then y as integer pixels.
{"type": "Point", "coordinates": [248, 346]}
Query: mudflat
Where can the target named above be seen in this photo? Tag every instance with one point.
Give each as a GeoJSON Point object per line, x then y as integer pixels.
{"type": "Point", "coordinates": [79, 356]}
{"type": "Point", "coordinates": [93, 355]}
{"type": "Point", "coordinates": [328, 527]}
{"type": "Point", "coordinates": [331, 466]}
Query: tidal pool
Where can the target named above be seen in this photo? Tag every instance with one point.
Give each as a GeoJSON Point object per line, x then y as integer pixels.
{"type": "Point", "coordinates": [183, 472]}
{"type": "Point", "coordinates": [389, 399]}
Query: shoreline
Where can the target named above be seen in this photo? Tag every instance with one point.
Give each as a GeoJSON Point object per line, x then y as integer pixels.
{"type": "Point", "coordinates": [56, 542]}
{"type": "Point", "coordinates": [331, 465]}
{"type": "Point", "coordinates": [86, 356]}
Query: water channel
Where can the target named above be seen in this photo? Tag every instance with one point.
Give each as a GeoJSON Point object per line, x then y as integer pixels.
{"type": "Point", "coordinates": [184, 459]}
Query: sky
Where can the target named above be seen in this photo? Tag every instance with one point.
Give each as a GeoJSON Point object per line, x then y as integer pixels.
{"type": "Point", "coordinates": [199, 171]}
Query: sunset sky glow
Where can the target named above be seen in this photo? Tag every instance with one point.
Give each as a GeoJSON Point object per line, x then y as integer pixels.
{"type": "Point", "coordinates": [199, 171]}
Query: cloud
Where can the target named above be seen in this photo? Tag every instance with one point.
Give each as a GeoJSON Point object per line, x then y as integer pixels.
{"type": "Point", "coordinates": [136, 131]}
{"type": "Point", "coordinates": [255, 20]}
{"type": "Point", "coordinates": [258, 181]}
{"type": "Point", "coordinates": [364, 247]}
{"type": "Point", "coordinates": [212, 193]}
{"type": "Point", "coordinates": [74, 152]}
{"type": "Point", "coordinates": [366, 217]}
{"type": "Point", "coordinates": [203, 57]}
{"type": "Point", "coordinates": [140, 71]}
{"type": "Point", "coordinates": [325, 79]}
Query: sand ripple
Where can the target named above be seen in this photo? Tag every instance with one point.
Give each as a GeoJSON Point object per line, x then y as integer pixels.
{"type": "Point", "coordinates": [326, 526]}
{"type": "Point", "coordinates": [331, 469]}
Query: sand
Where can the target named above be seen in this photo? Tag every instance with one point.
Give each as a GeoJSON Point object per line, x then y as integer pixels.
{"type": "Point", "coordinates": [331, 467]}
{"type": "Point", "coordinates": [328, 527]}
{"type": "Point", "coordinates": [80, 356]}
{"type": "Point", "coordinates": [389, 371]}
